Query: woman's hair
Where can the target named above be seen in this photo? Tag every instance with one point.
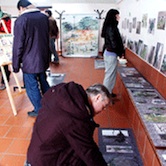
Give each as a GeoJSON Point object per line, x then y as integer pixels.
{"type": "Point", "coordinates": [109, 20]}
{"type": "Point", "coordinates": [49, 12]}
{"type": "Point", "coordinates": [98, 89]}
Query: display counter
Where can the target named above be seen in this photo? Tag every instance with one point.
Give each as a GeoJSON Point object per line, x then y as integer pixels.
{"type": "Point", "coordinates": [146, 107]}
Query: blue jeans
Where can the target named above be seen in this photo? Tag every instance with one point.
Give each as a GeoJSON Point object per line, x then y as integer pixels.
{"type": "Point", "coordinates": [36, 85]}
{"type": "Point", "coordinates": [53, 49]}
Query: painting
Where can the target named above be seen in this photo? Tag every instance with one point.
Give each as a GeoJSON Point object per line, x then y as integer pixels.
{"type": "Point", "coordinates": [138, 28]}
{"type": "Point", "coordinates": [161, 20]}
{"type": "Point", "coordinates": [151, 25]}
{"type": "Point", "coordinates": [6, 42]}
{"type": "Point", "coordinates": [158, 55]}
{"type": "Point", "coordinates": [80, 35]}
{"type": "Point", "coordinates": [144, 51]}
{"type": "Point", "coordinates": [144, 20]}
{"type": "Point", "coordinates": [163, 66]}
{"type": "Point", "coordinates": [150, 56]}
{"type": "Point", "coordinates": [134, 22]}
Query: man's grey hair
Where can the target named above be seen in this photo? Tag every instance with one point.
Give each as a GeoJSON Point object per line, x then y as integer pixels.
{"type": "Point", "coordinates": [98, 88]}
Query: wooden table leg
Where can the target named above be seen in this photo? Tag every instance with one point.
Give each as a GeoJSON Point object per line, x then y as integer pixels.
{"type": "Point", "coordinates": [8, 91]}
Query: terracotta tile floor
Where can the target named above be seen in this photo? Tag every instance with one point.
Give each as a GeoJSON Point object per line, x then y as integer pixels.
{"type": "Point", "coordinates": [15, 131]}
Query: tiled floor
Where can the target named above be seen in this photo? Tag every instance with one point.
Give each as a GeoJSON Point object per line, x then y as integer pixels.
{"type": "Point", "coordinates": [15, 131]}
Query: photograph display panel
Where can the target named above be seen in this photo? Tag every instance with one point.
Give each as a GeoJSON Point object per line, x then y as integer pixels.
{"type": "Point", "coordinates": [133, 79]}
{"type": "Point", "coordinates": [150, 104]}
{"type": "Point", "coordinates": [162, 156]}
{"type": "Point", "coordinates": [80, 35]}
{"type": "Point", "coordinates": [118, 147]}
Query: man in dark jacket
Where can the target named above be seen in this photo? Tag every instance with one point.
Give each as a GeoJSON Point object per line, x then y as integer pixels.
{"type": "Point", "coordinates": [31, 51]}
{"type": "Point", "coordinates": [63, 131]}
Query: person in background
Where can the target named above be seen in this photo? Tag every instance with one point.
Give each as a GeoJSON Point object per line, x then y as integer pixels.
{"type": "Point", "coordinates": [63, 131]}
{"type": "Point", "coordinates": [31, 51]}
{"type": "Point", "coordinates": [54, 33]}
{"type": "Point", "coordinates": [113, 48]}
{"type": "Point", "coordinates": [7, 21]}
{"type": "Point", "coordinates": [7, 71]}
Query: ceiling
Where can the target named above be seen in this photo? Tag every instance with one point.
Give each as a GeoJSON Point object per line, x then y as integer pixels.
{"type": "Point", "coordinates": [50, 2]}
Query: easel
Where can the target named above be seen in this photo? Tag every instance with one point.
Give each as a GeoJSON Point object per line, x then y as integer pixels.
{"type": "Point", "coordinates": [99, 18]}
{"type": "Point", "coordinates": [2, 64]}
{"type": "Point", "coordinates": [60, 20]}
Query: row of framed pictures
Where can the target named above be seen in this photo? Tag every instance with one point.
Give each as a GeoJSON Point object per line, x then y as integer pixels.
{"type": "Point", "coordinates": [151, 54]}
{"type": "Point", "coordinates": [147, 22]}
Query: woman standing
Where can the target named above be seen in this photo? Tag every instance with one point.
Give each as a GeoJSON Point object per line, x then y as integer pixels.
{"type": "Point", "coordinates": [113, 47]}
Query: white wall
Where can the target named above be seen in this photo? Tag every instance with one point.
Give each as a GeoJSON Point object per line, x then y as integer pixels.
{"type": "Point", "coordinates": [136, 8]}
{"type": "Point", "coordinates": [83, 8]}
{"type": "Point", "coordinates": [86, 6]}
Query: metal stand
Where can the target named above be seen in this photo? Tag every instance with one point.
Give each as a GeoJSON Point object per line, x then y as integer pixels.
{"type": "Point", "coordinates": [99, 18]}
{"type": "Point", "coordinates": [60, 20]}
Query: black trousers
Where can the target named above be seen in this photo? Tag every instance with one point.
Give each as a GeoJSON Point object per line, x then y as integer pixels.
{"type": "Point", "coordinates": [7, 71]}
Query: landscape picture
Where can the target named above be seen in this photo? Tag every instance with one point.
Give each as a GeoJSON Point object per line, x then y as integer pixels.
{"type": "Point", "coordinates": [80, 35]}
{"type": "Point", "coordinates": [6, 42]}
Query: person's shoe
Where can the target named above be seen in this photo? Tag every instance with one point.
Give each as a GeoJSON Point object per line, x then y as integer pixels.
{"type": "Point", "coordinates": [2, 87]}
{"type": "Point", "coordinates": [55, 62]}
{"type": "Point", "coordinates": [32, 114]}
{"type": "Point", "coordinates": [113, 95]}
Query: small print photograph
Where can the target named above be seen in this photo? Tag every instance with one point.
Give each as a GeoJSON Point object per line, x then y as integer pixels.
{"type": "Point", "coordinates": [158, 55]}
{"type": "Point", "coordinates": [158, 101]}
{"type": "Point", "coordinates": [140, 47]}
{"type": "Point", "coordinates": [130, 27]}
{"type": "Point", "coordinates": [161, 130]}
{"type": "Point", "coordinates": [144, 52]}
{"type": "Point", "coordinates": [118, 149]}
{"type": "Point", "coordinates": [157, 108]}
{"type": "Point", "coordinates": [150, 56]}
{"type": "Point", "coordinates": [136, 47]}
{"type": "Point", "coordinates": [141, 101]}
{"type": "Point", "coordinates": [124, 23]}
{"type": "Point", "coordinates": [163, 65]}
{"type": "Point", "coordinates": [151, 25]}
{"type": "Point", "coordinates": [138, 28]}
{"type": "Point", "coordinates": [155, 117]}
{"type": "Point", "coordinates": [162, 155]}
{"type": "Point", "coordinates": [161, 20]}
{"type": "Point", "coordinates": [134, 22]}
{"type": "Point", "coordinates": [144, 93]}
{"type": "Point", "coordinates": [145, 20]}
{"type": "Point", "coordinates": [134, 85]}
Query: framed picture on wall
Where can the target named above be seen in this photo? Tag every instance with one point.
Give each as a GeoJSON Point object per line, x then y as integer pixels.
{"type": "Point", "coordinates": [163, 66]}
{"type": "Point", "coordinates": [80, 35]}
{"type": "Point", "coordinates": [158, 55]}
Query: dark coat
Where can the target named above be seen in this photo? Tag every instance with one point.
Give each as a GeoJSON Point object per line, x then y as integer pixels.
{"type": "Point", "coordinates": [63, 131]}
{"type": "Point", "coordinates": [53, 28]}
{"type": "Point", "coordinates": [31, 42]}
{"type": "Point", "coordinates": [113, 40]}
